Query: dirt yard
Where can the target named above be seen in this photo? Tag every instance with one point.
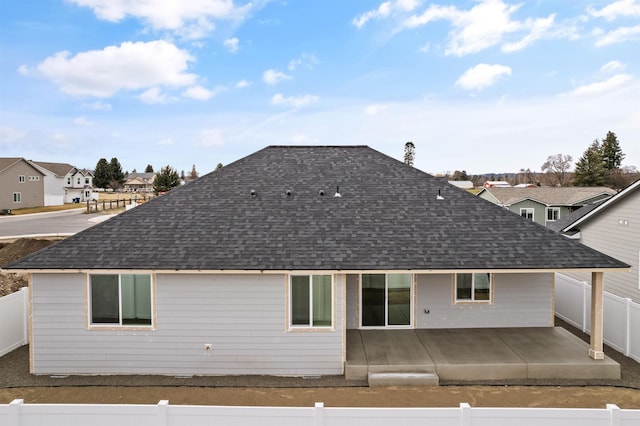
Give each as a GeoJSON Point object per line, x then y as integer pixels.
{"type": "Point", "coordinates": [442, 396]}
{"type": "Point", "coordinates": [11, 250]}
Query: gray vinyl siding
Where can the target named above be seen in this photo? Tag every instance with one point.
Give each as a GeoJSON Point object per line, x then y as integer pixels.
{"type": "Point", "coordinates": [606, 234]}
{"type": "Point", "coordinates": [31, 191]}
{"type": "Point", "coordinates": [519, 300]}
{"type": "Point", "coordinates": [243, 317]}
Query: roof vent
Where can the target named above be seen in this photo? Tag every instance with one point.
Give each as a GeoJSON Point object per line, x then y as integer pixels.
{"type": "Point", "coordinates": [289, 193]}
{"type": "Point", "coordinates": [337, 194]}
{"type": "Point", "coordinates": [321, 193]}
{"type": "Point", "coordinates": [439, 197]}
{"type": "Point", "coordinates": [253, 193]}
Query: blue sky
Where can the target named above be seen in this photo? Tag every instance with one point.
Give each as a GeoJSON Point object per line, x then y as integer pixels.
{"type": "Point", "coordinates": [482, 86]}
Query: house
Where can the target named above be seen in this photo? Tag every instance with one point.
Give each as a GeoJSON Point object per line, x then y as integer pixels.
{"type": "Point", "coordinates": [21, 184]}
{"type": "Point", "coordinates": [139, 182]}
{"type": "Point", "coordinates": [545, 205]}
{"type": "Point", "coordinates": [496, 184]}
{"type": "Point", "coordinates": [464, 184]}
{"type": "Point", "coordinates": [64, 183]}
{"type": "Point", "coordinates": [611, 227]}
{"type": "Point", "coordinates": [265, 265]}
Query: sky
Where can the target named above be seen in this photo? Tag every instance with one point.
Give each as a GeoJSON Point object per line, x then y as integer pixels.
{"type": "Point", "coordinates": [481, 85]}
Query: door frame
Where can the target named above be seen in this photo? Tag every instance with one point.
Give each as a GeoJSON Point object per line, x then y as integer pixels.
{"type": "Point", "coordinates": [386, 326]}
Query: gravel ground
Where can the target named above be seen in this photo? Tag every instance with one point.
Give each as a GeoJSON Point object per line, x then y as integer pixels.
{"type": "Point", "coordinates": [14, 373]}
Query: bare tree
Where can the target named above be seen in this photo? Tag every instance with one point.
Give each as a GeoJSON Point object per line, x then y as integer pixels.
{"type": "Point", "coordinates": [558, 165]}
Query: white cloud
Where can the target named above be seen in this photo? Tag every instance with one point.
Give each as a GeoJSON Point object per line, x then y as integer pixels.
{"type": "Point", "coordinates": [612, 66]}
{"type": "Point", "coordinates": [383, 10]}
{"type": "Point", "coordinates": [293, 101]}
{"type": "Point", "coordinates": [211, 138]}
{"type": "Point", "coordinates": [306, 60]}
{"type": "Point", "coordinates": [482, 76]}
{"type": "Point", "coordinates": [539, 27]}
{"type": "Point", "coordinates": [601, 86]}
{"type": "Point", "coordinates": [82, 121]}
{"type": "Point", "coordinates": [200, 93]}
{"type": "Point", "coordinates": [375, 109]}
{"type": "Point", "coordinates": [617, 9]}
{"type": "Point", "coordinates": [232, 44]}
{"type": "Point", "coordinates": [24, 70]}
{"type": "Point", "coordinates": [9, 135]}
{"type": "Point", "coordinates": [274, 77]}
{"type": "Point", "coordinates": [242, 84]}
{"type": "Point", "coordinates": [153, 96]}
{"type": "Point", "coordinates": [98, 106]}
{"type": "Point", "coordinates": [191, 19]}
{"type": "Point", "coordinates": [619, 35]}
{"type": "Point", "coordinates": [130, 66]}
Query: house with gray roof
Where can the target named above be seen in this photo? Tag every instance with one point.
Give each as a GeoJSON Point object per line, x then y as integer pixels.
{"type": "Point", "coordinates": [265, 265]}
{"type": "Point", "coordinates": [139, 182]}
{"type": "Point", "coordinates": [21, 184]}
{"type": "Point", "coordinates": [64, 183]}
{"type": "Point", "coordinates": [545, 205]}
{"type": "Point", "coordinates": [611, 227]}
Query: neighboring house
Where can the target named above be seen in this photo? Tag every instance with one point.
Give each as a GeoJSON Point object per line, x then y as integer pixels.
{"type": "Point", "coordinates": [139, 182]}
{"type": "Point", "coordinates": [496, 184]}
{"type": "Point", "coordinates": [463, 184]}
{"type": "Point", "coordinates": [21, 184]}
{"type": "Point", "coordinates": [65, 183]}
{"type": "Point", "coordinates": [545, 205]}
{"type": "Point", "coordinates": [612, 227]}
{"type": "Point", "coordinates": [261, 267]}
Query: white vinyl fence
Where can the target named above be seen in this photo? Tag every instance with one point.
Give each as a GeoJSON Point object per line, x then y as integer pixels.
{"type": "Point", "coordinates": [14, 321]}
{"type": "Point", "coordinates": [19, 414]}
{"type": "Point", "coordinates": [621, 316]}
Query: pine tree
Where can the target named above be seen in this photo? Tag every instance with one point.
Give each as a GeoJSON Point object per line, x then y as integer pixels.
{"type": "Point", "coordinates": [611, 152]}
{"type": "Point", "coordinates": [117, 176]}
{"type": "Point", "coordinates": [166, 179]}
{"type": "Point", "coordinates": [148, 169]}
{"type": "Point", "coordinates": [590, 168]}
{"type": "Point", "coordinates": [409, 153]}
{"type": "Point", "coordinates": [102, 174]}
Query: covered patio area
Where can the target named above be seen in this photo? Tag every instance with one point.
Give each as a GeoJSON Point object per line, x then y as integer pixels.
{"type": "Point", "coordinates": [423, 356]}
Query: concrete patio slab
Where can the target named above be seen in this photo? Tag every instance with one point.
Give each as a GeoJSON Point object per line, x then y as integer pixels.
{"type": "Point", "coordinates": [475, 354]}
{"type": "Point", "coordinates": [471, 354]}
{"type": "Point", "coordinates": [556, 353]}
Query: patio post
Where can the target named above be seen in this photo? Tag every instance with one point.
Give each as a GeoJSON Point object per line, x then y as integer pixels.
{"type": "Point", "coordinates": [596, 347]}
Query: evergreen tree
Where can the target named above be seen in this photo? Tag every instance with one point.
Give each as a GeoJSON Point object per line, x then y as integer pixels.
{"type": "Point", "coordinates": [219, 166]}
{"type": "Point", "coordinates": [166, 179]}
{"type": "Point", "coordinates": [611, 152]}
{"type": "Point", "coordinates": [590, 168]}
{"type": "Point", "coordinates": [148, 169]}
{"type": "Point", "coordinates": [102, 174]}
{"type": "Point", "coordinates": [194, 173]}
{"type": "Point", "coordinates": [117, 176]}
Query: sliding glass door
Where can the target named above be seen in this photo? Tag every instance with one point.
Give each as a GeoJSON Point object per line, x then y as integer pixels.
{"type": "Point", "coordinates": [385, 300]}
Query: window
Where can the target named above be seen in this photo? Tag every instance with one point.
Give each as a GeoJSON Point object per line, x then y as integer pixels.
{"type": "Point", "coordinates": [553, 214]}
{"type": "Point", "coordinates": [21, 179]}
{"type": "Point", "coordinates": [474, 287]}
{"type": "Point", "coordinates": [17, 197]}
{"type": "Point", "coordinates": [527, 212]}
{"type": "Point", "coordinates": [68, 181]}
{"type": "Point", "coordinates": [311, 301]}
{"type": "Point", "coordinates": [86, 181]}
{"type": "Point", "coordinates": [120, 300]}
{"type": "Point", "coordinates": [385, 300]}
{"type": "Point", "coordinates": [78, 181]}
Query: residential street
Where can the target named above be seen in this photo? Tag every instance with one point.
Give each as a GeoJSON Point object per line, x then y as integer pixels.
{"type": "Point", "coordinates": [66, 222]}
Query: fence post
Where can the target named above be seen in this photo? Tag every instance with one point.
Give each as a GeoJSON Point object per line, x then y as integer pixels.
{"type": "Point", "coordinates": [614, 414]}
{"type": "Point", "coordinates": [161, 413]}
{"type": "Point", "coordinates": [14, 412]}
{"type": "Point", "coordinates": [465, 414]}
{"type": "Point", "coordinates": [318, 414]}
{"type": "Point", "coordinates": [25, 305]}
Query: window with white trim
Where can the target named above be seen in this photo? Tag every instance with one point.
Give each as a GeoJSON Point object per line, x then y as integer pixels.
{"type": "Point", "coordinates": [17, 197]}
{"type": "Point", "coordinates": [120, 300]}
{"type": "Point", "coordinates": [473, 287]}
{"type": "Point", "coordinates": [21, 179]}
{"type": "Point", "coordinates": [527, 212]}
{"type": "Point", "coordinates": [553, 214]}
{"type": "Point", "coordinates": [310, 301]}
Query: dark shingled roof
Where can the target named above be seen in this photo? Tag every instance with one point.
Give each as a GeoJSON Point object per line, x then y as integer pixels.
{"type": "Point", "coordinates": [388, 217]}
